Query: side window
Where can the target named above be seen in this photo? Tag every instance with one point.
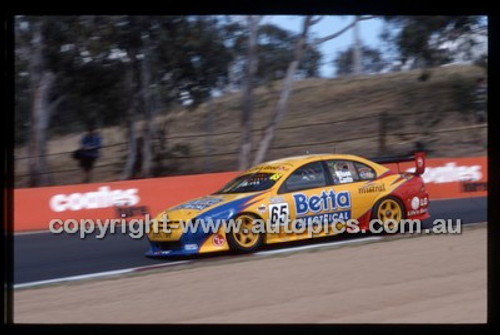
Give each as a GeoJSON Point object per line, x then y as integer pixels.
{"type": "Point", "coordinates": [365, 172]}
{"type": "Point", "coordinates": [308, 176]}
{"type": "Point", "coordinates": [342, 172]}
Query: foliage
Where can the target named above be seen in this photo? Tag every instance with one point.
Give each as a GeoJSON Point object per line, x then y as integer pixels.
{"type": "Point", "coordinates": [372, 61]}
{"type": "Point", "coordinates": [275, 52]}
{"type": "Point", "coordinates": [432, 40]}
{"type": "Point", "coordinates": [91, 55]}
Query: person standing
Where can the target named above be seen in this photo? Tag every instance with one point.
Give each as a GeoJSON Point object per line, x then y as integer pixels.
{"type": "Point", "coordinates": [89, 151]}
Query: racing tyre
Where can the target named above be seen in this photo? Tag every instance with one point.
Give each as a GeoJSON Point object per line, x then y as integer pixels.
{"type": "Point", "coordinates": [245, 240]}
{"type": "Point", "coordinates": [389, 208]}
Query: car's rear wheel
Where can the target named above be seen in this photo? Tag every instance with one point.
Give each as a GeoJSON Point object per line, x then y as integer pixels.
{"type": "Point", "coordinates": [390, 211]}
{"type": "Point", "coordinates": [247, 238]}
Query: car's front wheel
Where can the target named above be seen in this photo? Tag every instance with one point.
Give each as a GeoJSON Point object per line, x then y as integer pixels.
{"type": "Point", "coordinates": [246, 238]}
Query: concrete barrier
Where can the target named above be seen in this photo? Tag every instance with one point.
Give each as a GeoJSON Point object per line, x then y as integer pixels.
{"type": "Point", "coordinates": [34, 208]}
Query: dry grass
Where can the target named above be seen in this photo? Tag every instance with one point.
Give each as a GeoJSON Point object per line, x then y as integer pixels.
{"type": "Point", "coordinates": [426, 107]}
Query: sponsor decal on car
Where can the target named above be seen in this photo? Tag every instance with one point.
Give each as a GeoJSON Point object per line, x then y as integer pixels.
{"type": "Point", "coordinates": [366, 173]}
{"type": "Point", "coordinates": [371, 188]}
{"type": "Point", "coordinates": [324, 218]}
{"type": "Point", "coordinates": [417, 212]}
{"type": "Point", "coordinates": [415, 203]}
{"type": "Point", "coordinates": [276, 176]}
{"type": "Point", "coordinates": [418, 206]}
{"type": "Point", "coordinates": [276, 200]}
{"type": "Point", "coordinates": [281, 167]}
{"type": "Point", "coordinates": [327, 201]}
{"type": "Point", "coordinates": [344, 176]}
{"type": "Point", "coordinates": [200, 204]}
{"type": "Point", "coordinates": [262, 209]}
{"type": "Point", "coordinates": [218, 240]}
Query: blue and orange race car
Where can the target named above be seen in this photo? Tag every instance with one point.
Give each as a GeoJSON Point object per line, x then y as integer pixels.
{"type": "Point", "coordinates": [328, 187]}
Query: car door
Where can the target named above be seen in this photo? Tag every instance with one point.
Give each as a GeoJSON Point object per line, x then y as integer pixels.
{"type": "Point", "coordinates": [358, 180]}
{"type": "Point", "coordinates": [303, 195]}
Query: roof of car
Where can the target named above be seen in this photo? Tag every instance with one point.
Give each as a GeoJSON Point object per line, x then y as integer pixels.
{"type": "Point", "coordinates": [299, 160]}
{"type": "Point", "coordinates": [285, 166]}
{"type": "Point", "coordinates": [291, 163]}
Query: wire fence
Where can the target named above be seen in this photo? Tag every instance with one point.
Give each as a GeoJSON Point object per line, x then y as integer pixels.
{"type": "Point", "coordinates": [235, 132]}
{"type": "Point", "coordinates": [227, 159]}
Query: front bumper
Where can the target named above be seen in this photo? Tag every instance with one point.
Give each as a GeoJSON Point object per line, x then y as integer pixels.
{"type": "Point", "coordinates": [177, 248]}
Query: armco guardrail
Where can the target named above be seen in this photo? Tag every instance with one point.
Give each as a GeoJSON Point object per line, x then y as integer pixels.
{"type": "Point", "coordinates": [34, 208]}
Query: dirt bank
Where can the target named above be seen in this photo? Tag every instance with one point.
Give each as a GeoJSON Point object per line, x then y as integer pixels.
{"type": "Point", "coordinates": [432, 279]}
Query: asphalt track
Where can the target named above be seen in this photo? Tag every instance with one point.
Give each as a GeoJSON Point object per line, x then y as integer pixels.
{"type": "Point", "coordinates": [44, 256]}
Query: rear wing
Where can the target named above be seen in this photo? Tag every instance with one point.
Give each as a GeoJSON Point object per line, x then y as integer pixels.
{"type": "Point", "coordinates": [418, 157]}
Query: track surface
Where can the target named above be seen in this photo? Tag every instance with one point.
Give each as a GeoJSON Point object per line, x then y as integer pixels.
{"type": "Point", "coordinates": [45, 256]}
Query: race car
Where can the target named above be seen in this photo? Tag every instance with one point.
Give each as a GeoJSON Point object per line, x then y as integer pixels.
{"type": "Point", "coordinates": [306, 189]}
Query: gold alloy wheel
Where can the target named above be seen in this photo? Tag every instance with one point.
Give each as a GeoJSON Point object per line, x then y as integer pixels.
{"type": "Point", "coordinates": [245, 237]}
{"type": "Point", "coordinates": [389, 209]}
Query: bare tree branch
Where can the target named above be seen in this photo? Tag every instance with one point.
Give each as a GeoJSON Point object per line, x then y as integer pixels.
{"type": "Point", "coordinates": [281, 107]}
{"type": "Point", "coordinates": [315, 20]}
{"type": "Point", "coordinates": [247, 97]}
{"type": "Point", "coordinates": [341, 31]}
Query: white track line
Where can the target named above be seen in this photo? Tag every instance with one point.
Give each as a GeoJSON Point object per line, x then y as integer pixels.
{"type": "Point", "coordinates": [150, 267]}
{"type": "Point", "coordinates": [322, 245]}
{"type": "Point", "coordinates": [97, 275]}
{"type": "Point", "coordinates": [31, 232]}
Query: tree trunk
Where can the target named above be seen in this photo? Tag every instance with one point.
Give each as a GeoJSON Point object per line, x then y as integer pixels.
{"type": "Point", "coordinates": [40, 122]}
{"type": "Point", "coordinates": [128, 169]}
{"type": "Point", "coordinates": [281, 107]}
{"type": "Point", "coordinates": [246, 119]}
{"type": "Point", "coordinates": [148, 107]}
{"type": "Point", "coordinates": [42, 81]}
{"type": "Point", "coordinates": [357, 61]}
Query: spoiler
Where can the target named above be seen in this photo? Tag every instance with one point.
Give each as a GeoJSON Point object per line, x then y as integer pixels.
{"type": "Point", "coordinates": [418, 157]}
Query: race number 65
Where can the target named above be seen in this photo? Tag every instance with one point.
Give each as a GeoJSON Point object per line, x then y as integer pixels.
{"type": "Point", "coordinates": [278, 214]}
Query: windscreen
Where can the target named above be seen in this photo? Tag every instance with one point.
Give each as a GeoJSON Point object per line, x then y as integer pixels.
{"type": "Point", "coordinates": [253, 182]}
